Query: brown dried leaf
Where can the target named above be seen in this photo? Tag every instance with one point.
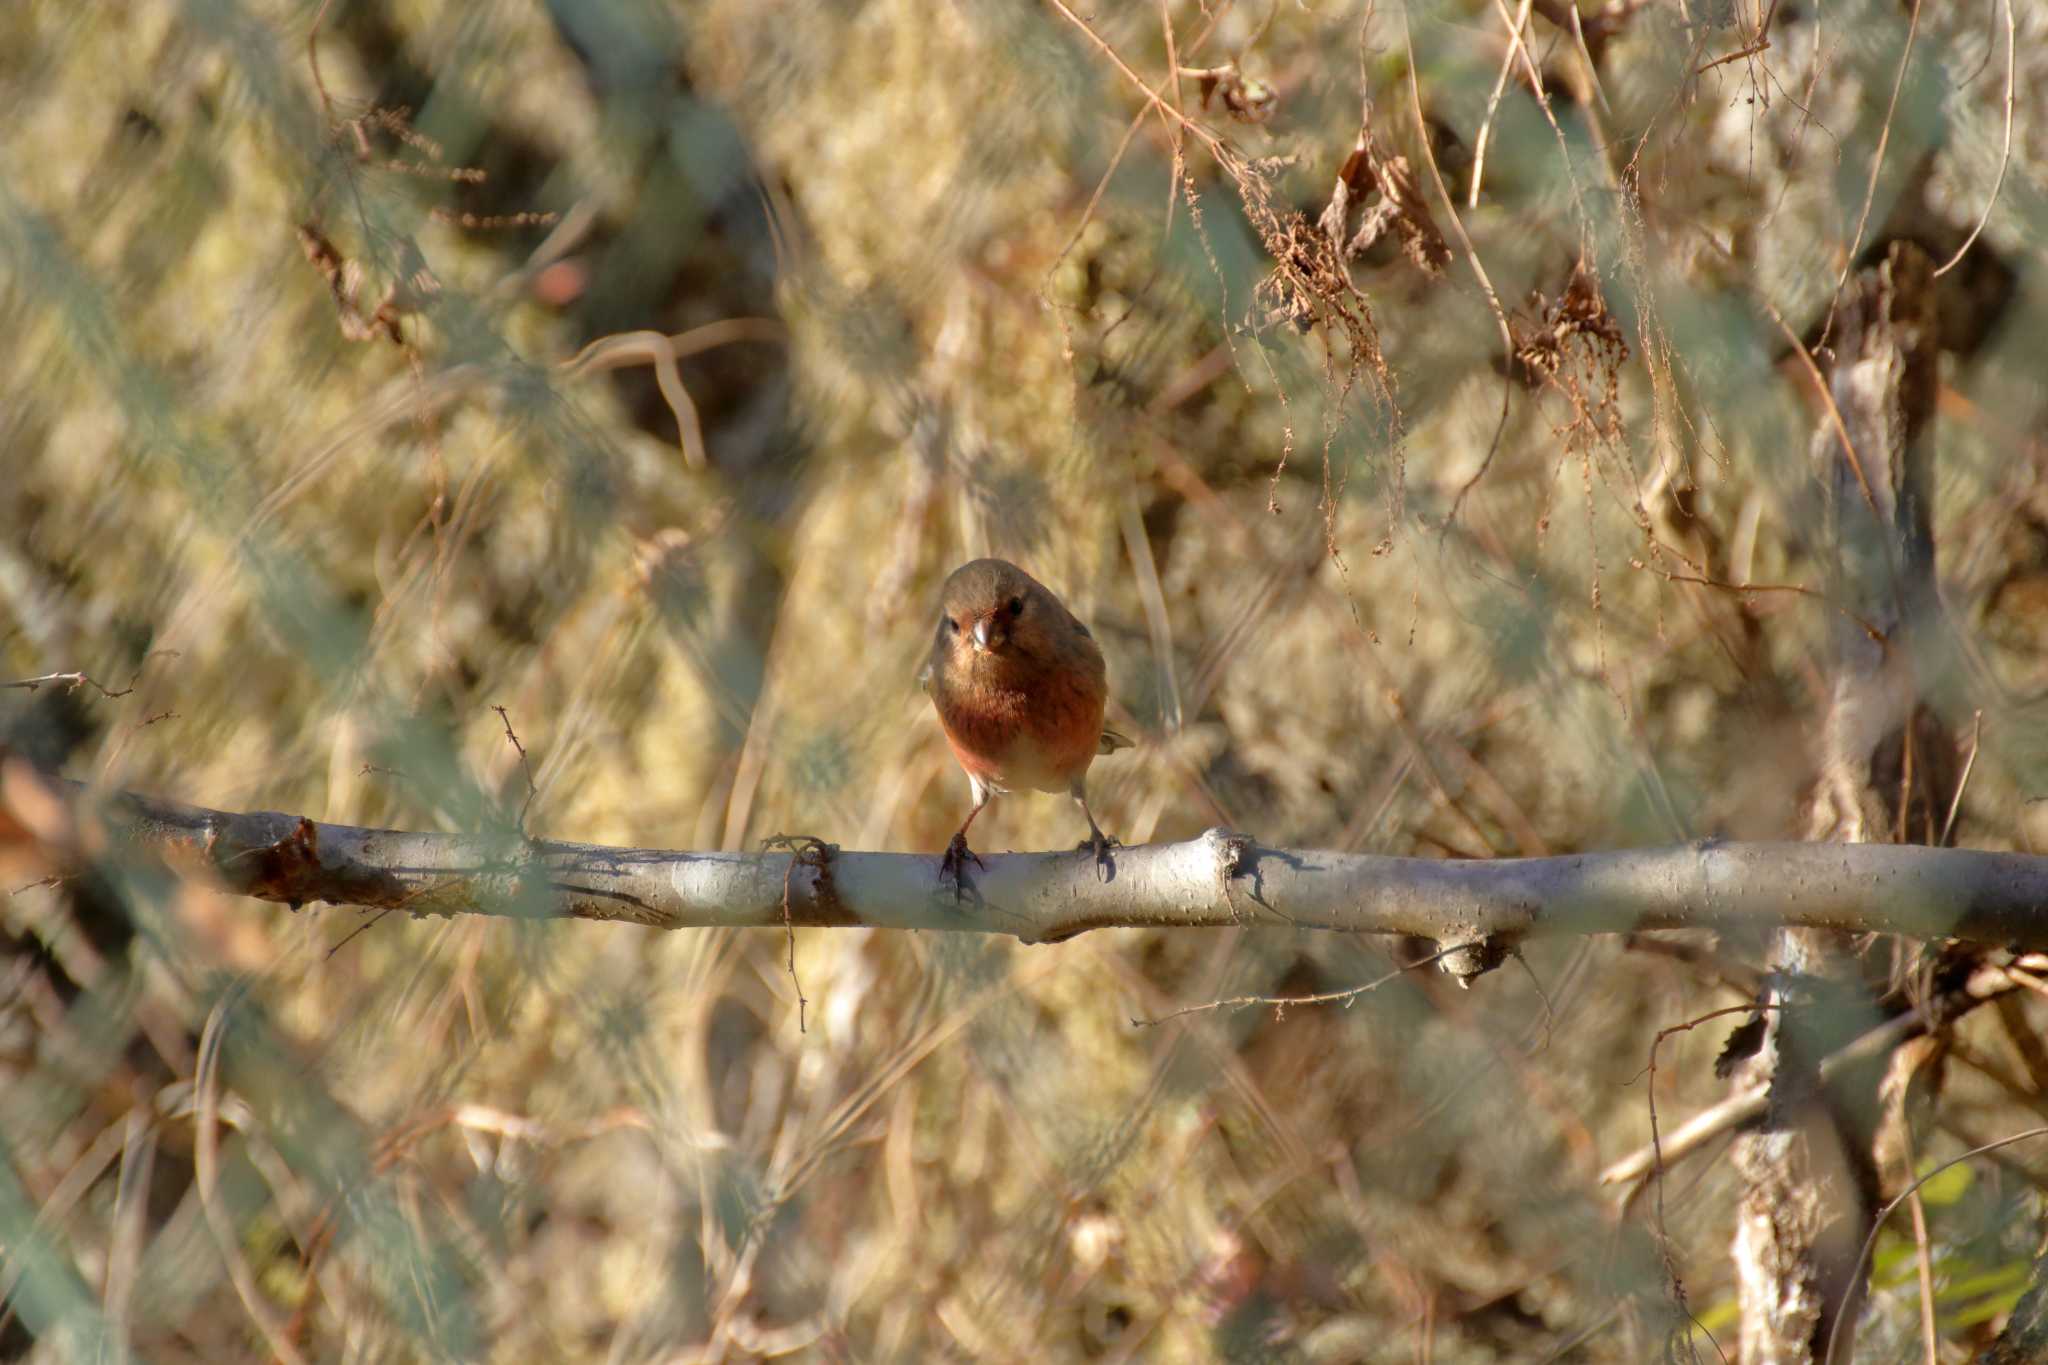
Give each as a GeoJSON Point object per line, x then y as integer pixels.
{"type": "Point", "coordinates": [1401, 206]}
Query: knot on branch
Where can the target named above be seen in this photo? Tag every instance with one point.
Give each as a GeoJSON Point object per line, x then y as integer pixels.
{"type": "Point", "coordinates": [1233, 854]}
{"type": "Point", "coordinates": [247, 856]}
{"type": "Point", "coordinates": [277, 871]}
{"type": "Point", "coordinates": [807, 850]}
{"type": "Point", "coordinates": [1474, 958]}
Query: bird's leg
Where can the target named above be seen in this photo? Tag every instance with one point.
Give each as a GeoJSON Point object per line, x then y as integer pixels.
{"type": "Point", "coordinates": [1101, 843]}
{"type": "Point", "coordinates": [953, 866]}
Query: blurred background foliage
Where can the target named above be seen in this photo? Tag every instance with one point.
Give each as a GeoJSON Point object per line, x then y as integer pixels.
{"type": "Point", "coordinates": [300, 434]}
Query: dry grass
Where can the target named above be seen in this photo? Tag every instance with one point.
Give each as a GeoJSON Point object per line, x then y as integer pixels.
{"type": "Point", "coordinates": [293, 427]}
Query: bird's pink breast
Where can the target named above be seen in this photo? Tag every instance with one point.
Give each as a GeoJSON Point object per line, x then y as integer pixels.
{"type": "Point", "coordinates": [1040, 740]}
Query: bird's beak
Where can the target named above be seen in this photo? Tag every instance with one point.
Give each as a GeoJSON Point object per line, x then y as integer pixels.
{"type": "Point", "coordinates": [981, 634]}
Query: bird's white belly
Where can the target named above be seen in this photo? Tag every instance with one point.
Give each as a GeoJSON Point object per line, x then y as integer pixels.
{"type": "Point", "coordinates": [1024, 769]}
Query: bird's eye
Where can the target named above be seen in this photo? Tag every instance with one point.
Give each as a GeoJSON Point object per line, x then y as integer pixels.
{"type": "Point", "coordinates": [1016, 606]}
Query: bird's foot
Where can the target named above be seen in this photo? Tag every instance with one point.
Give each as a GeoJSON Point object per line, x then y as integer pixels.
{"type": "Point", "coordinates": [1100, 844]}
{"type": "Point", "coordinates": [953, 867]}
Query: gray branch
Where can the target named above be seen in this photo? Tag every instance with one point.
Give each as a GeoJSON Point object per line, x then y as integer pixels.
{"type": "Point", "coordinates": [1219, 879]}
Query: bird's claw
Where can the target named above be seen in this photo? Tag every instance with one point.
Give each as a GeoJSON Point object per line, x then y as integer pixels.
{"type": "Point", "coordinates": [953, 867]}
{"type": "Point", "coordinates": [1100, 844]}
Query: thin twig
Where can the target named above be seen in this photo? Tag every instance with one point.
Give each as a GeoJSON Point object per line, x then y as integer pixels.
{"type": "Point", "coordinates": [525, 765]}
{"type": "Point", "coordinates": [1985, 984]}
{"type": "Point", "coordinates": [1208, 139]}
{"type": "Point", "coordinates": [2005, 152]}
{"type": "Point", "coordinates": [73, 1186]}
{"type": "Point", "coordinates": [1798, 589]}
{"type": "Point", "coordinates": [1586, 55]}
{"type": "Point", "coordinates": [1173, 75]}
{"type": "Point", "coordinates": [1884, 134]}
{"type": "Point", "coordinates": [1877, 1223]}
{"type": "Point", "coordinates": [1116, 158]}
{"type": "Point", "coordinates": [367, 925]}
{"type": "Point", "coordinates": [1549, 1010]}
{"type": "Point", "coordinates": [1500, 316]}
{"type": "Point", "coordinates": [806, 849]}
{"type": "Point", "coordinates": [1663, 1235]}
{"type": "Point", "coordinates": [1500, 85]}
{"type": "Point", "coordinates": [1820, 381]}
{"type": "Point", "coordinates": [1281, 1002]}
{"type": "Point", "coordinates": [662, 352]}
{"type": "Point", "coordinates": [1542, 96]}
{"type": "Point", "coordinates": [1760, 45]}
{"type": "Point", "coordinates": [206, 1162]}
{"type": "Point", "coordinates": [313, 60]}
{"type": "Point", "coordinates": [1948, 826]}
{"type": "Point", "coordinates": [71, 683]}
{"type": "Point", "coordinates": [1923, 1256]}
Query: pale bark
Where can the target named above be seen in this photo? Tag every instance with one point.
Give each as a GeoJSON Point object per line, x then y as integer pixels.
{"type": "Point", "coordinates": [1810, 1183]}
{"type": "Point", "coordinates": [1215, 880]}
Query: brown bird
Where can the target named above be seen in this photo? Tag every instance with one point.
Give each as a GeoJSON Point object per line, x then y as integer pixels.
{"type": "Point", "coordinates": [1019, 685]}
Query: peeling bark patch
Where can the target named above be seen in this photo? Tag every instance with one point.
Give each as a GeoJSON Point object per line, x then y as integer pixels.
{"type": "Point", "coordinates": [823, 908]}
{"type": "Point", "coordinates": [278, 871]}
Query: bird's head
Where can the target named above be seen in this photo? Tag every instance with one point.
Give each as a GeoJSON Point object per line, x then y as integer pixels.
{"type": "Point", "coordinates": [992, 610]}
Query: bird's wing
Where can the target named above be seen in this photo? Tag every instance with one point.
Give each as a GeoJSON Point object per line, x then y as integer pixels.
{"type": "Point", "coordinates": [1112, 741]}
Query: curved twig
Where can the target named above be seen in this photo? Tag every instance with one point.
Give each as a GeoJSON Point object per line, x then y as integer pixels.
{"type": "Point", "coordinates": [1500, 85]}
{"type": "Point", "coordinates": [1987, 983]}
{"type": "Point", "coordinates": [662, 352]}
{"type": "Point", "coordinates": [1884, 136]}
{"type": "Point", "coordinates": [1500, 316]}
{"type": "Point", "coordinates": [206, 1162]}
{"type": "Point", "coordinates": [2005, 152]}
{"type": "Point", "coordinates": [1877, 1223]}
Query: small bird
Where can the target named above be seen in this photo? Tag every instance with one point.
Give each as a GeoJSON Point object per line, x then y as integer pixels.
{"type": "Point", "coordinates": [1019, 685]}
